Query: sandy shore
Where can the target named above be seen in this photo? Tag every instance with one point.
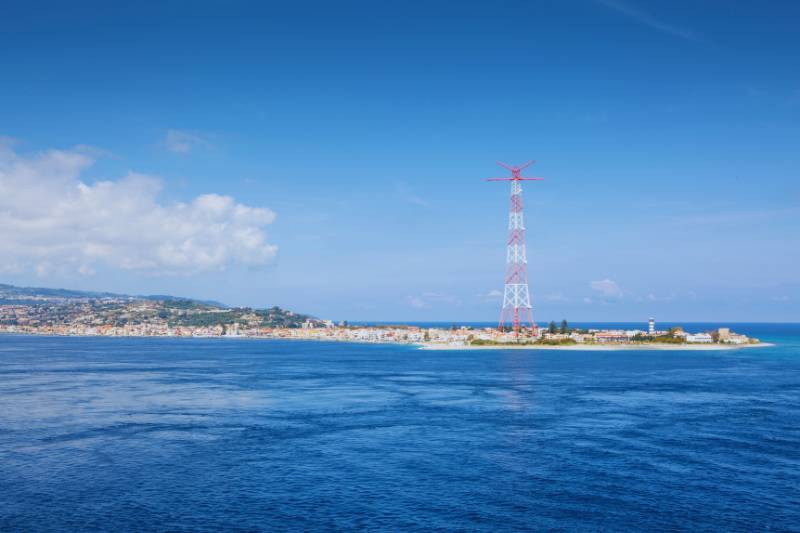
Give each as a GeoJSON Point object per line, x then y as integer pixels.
{"type": "Point", "coordinates": [600, 347]}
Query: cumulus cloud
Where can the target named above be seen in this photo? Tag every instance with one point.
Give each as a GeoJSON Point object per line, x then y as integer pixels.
{"type": "Point", "coordinates": [53, 220]}
{"type": "Point", "coordinates": [183, 142]}
{"type": "Point", "coordinates": [607, 288]}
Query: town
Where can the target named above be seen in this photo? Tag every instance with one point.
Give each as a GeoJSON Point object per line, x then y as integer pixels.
{"type": "Point", "coordinates": [123, 316]}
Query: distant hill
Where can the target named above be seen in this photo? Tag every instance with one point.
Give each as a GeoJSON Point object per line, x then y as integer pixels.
{"type": "Point", "coordinates": [17, 293]}
{"type": "Point", "coordinates": [168, 298]}
{"type": "Point", "coordinates": [65, 306]}
{"type": "Point", "coordinates": [43, 294]}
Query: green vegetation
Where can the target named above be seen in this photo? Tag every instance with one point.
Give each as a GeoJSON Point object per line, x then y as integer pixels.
{"type": "Point", "coordinates": [184, 305]}
{"type": "Point", "coordinates": [205, 316]}
{"type": "Point", "coordinates": [669, 338]}
{"type": "Point", "coordinates": [486, 342]}
{"type": "Point", "coordinates": [522, 342]}
{"type": "Point", "coordinates": [556, 342]}
{"type": "Point", "coordinates": [203, 319]}
{"type": "Point", "coordinates": [61, 307]}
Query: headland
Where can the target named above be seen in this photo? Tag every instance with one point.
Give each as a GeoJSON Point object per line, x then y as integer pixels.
{"type": "Point", "coordinates": [71, 313]}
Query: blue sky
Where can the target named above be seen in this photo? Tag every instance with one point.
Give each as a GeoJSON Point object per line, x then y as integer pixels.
{"type": "Point", "coordinates": [330, 157]}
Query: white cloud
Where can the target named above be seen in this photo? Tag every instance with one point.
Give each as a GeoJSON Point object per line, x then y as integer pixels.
{"type": "Point", "coordinates": [493, 294]}
{"type": "Point", "coordinates": [669, 298]}
{"type": "Point", "coordinates": [426, 300]}
{"type": "Point", "coordinates": [418, 303]}
{"type": "Point", "coordinates": [183, 142]}
{"type": "Point", "coordinates": [607, 288]}
{"type": "Point", "coordinates": [53, 220]}
{"type": "Point", "coordinates": [555, 297]}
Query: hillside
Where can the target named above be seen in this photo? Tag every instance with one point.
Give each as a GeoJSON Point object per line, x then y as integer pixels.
{"type": "Point", "coordinates": [36, 307]}
{"type": "Point", "coordinates": [12, 293]}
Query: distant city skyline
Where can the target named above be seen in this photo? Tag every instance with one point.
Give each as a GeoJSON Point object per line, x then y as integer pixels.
{"type": "Point", "coordinates": [330, 158]}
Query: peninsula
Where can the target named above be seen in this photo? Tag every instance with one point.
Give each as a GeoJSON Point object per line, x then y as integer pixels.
{"type": "Point", "coordinates": [38, 311]}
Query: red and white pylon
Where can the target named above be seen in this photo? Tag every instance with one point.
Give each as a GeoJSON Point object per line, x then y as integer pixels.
{"type": "Point", "coordinates": [517, 308]}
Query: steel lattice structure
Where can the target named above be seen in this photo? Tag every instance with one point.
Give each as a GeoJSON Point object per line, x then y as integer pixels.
{"type": "Point", "coordinates": [516, 296]}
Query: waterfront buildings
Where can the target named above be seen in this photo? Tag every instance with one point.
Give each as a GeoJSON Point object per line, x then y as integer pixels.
{"type": "Point", "coordinates": [324, 330]}
{"type": "Point", "coordinates": [700, 338]}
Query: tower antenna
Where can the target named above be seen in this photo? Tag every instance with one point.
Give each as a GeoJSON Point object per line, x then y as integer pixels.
{"type": "Point", "coordinates": [516, 296]}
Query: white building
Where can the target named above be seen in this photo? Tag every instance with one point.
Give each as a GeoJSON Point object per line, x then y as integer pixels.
{"type": "Point", "coordinates": [735, 338]}
{"type": "Point", "coordinates": [703, 338]}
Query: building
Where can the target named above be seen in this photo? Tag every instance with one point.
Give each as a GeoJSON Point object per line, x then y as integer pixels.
{"type": "Point", "coordinates": [651, 327]}
{"type": "Point", "coordinates": [735, 338]}
{"type": "Point", "coordinates": [703, 338]}
{"type": "Point", "coordinates": [610, 336]}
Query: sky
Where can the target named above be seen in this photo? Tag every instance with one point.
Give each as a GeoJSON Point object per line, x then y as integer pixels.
{"type": "Point", "coordinates": [330, 157]}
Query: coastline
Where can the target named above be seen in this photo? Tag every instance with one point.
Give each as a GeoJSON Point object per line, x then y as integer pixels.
{"type": "Point", "coordinates": [600, 347]}
{"type": "Point", "coordinates": [429, 345]}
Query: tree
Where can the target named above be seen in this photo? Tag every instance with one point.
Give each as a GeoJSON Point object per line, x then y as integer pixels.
{"type": "Point", "coordinates": [552, 328]}
{"type": "Point", "coordinates": [564, 327]}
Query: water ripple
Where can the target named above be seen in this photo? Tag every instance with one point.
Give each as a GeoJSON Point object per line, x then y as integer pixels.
{"type": "Point", "coordinates": [199, 435]}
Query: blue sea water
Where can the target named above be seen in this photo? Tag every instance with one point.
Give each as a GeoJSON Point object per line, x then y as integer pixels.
{"type": "Point", "coordinates": [254, 435]}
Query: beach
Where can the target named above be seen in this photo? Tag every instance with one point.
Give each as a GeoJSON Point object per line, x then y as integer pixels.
{"type": "Point", "coordinates": [597, 347]}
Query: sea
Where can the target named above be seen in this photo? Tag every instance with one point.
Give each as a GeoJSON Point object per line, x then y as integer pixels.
{"type": "Point", "coordinates": [161, 434]}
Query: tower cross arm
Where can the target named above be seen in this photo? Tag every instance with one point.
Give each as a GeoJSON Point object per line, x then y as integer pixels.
{"type": "Point", "coordinates": [514, 179]}
{"type": "Point", "coordinates": [517, 168]}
